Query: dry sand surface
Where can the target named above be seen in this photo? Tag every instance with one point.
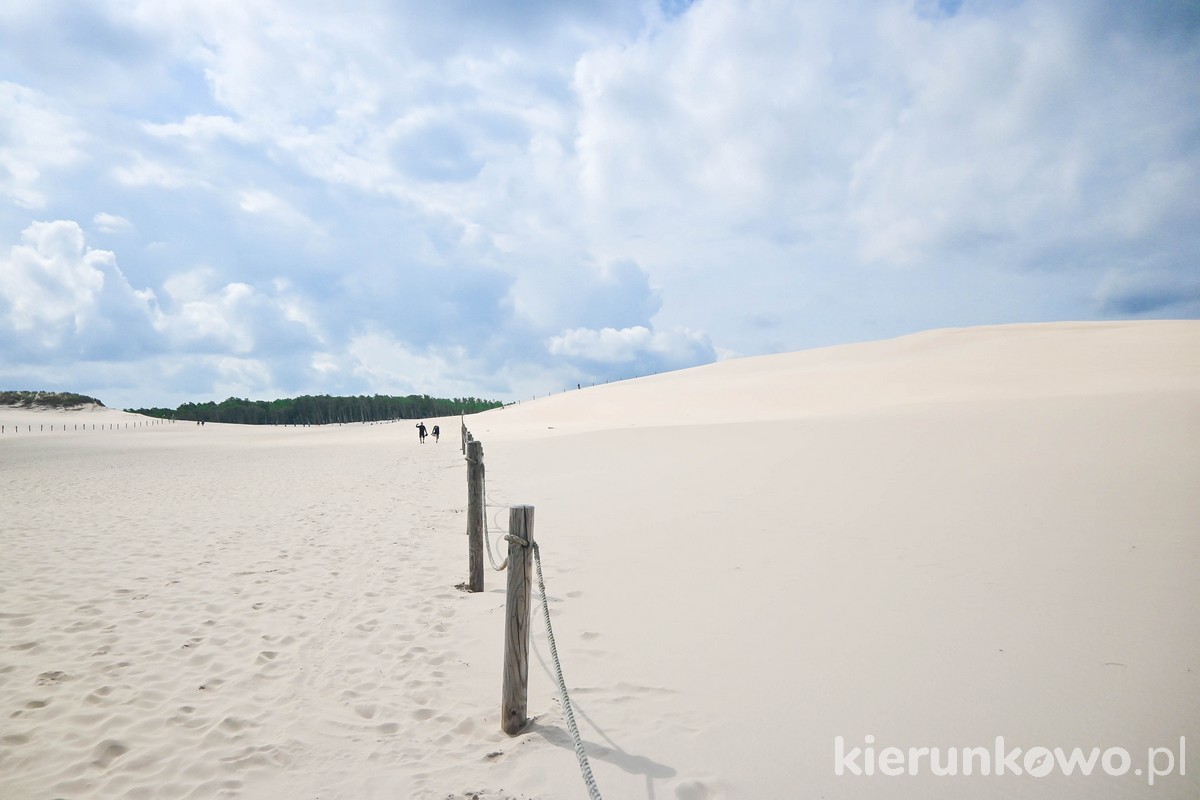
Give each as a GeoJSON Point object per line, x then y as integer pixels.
{"type": "Point", "coordinates": [932, 541]}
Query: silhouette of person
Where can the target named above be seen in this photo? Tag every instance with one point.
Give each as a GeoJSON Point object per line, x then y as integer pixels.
{"type": "Point", "coordinates": [436, 433]}
{"type": "Point", "coordinates": [421, 432]}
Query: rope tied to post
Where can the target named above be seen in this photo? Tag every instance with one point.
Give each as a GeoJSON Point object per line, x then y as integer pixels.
{"type": "Point", "coordinates": [487, 538]}
{"type": "Point", "coordinates": [565, 699]}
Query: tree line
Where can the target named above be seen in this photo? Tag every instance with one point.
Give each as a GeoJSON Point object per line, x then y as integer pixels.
{"type": "Point", "coordinates": [321, 409]}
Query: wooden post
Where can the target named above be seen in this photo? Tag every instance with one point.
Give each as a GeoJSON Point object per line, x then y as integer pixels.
{"type": "Point", "coordinates": [515, 698]}
{"type": "Point", "coordinates": [476, 508]}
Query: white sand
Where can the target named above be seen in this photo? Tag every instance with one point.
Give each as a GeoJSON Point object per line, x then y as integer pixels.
{"type": "Point", "coordinates": [935, 541]}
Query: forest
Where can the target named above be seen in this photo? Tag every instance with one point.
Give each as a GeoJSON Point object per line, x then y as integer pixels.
{"type": "Point", "coordinates": [321, 409]}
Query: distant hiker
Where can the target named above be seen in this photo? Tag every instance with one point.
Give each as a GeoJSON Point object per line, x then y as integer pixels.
{"type": "Point", "coordinates": [436, 433]}
{"type": "Point", "coordinates": [421, 432]}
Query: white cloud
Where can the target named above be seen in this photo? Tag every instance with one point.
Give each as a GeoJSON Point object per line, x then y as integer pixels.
{"type": "Point", "coordinates": [215, 318]}
{"type": "Point", "coordinates": [393, 367]}
{"type": "Point", "coordinates": [143, 172]}
{"type": "Point", "coordinates": [111, 223]}
{"type": "Point", "coordinates": [899, 139]}
{"type": "Point", "coordinates": [58, 292]}
{"type": "Point", "coordinates": [203, 315]}
{"type": "Point", "coordinates": [241, 377]}
{"type": "Point", "coordinates": [268, 204]}
{"type": "Point", "coordinates": [36, 138]}
{"type": "Point", "coordinates": [59, 295]}
{"type": "Point", "coordinates": [671, 349]}
{"type": "Point", "coordinates": [51, 281]}
{"type": "Point", "coordinates": [202, 128]}
{"type": "Point", "coordinates": [608, 294]}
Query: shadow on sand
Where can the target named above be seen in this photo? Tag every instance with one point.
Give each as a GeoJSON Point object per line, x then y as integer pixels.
{"type": "Point", "coordinates": [610, 752]}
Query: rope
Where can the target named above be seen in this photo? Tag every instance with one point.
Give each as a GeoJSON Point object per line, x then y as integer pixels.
{"type": "Point", "coordinates": [568, 714]}
{"type": "Point", "coordinates": [564, 698]}
{"type": "Point", "coordinates": [487, 539]}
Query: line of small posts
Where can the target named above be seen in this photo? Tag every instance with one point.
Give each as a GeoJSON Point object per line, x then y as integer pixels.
{"type": "Point", "coordinates": [514, 698]}
{"type": "Point", "coordinates": [111, 426]}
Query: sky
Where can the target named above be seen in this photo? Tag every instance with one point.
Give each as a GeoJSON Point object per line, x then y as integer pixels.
{"type": "Point", "coordinates": [202, 199]}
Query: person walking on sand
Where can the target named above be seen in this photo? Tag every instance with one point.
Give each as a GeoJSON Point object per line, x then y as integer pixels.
{"type": "Point", "coordinates": [421, 432]}
{"type": "Point", "coordinates": [436, 433]}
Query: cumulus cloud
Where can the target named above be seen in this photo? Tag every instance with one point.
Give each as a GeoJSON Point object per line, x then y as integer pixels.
{"type": "Point", "coordinates": [60, 294]}
{"type": "Point", "coordinates": [62, 299]}
{"type": "Point", "coordinates": [53, 281]}
{"type": "Point", "coordinates": [203, 315]}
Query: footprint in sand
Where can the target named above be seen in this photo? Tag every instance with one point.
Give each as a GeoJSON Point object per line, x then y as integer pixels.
{"type": "Point", "coordinates": [107, 752]}
{"type": "Point", "coordinates": [98, 695]}
{"type": "Point", "coordinates": [51, 678]}
{"type": "Point", "coordinates": [234, 724]}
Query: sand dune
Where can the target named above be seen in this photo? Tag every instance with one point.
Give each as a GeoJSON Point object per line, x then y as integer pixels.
{"type": "Point", "coordinates": [932, 541]}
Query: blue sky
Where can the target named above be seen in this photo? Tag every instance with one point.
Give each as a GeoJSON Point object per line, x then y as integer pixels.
{"type": "Point", "coordinates": [207, 198]}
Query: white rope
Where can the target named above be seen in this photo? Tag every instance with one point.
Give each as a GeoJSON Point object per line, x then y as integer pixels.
{"type": "Point", "coordinates": [487, 539]}
{"type": "Point", "coordinates": [568, 714]}
{"type": "Point", "coordinates": [565, 699]}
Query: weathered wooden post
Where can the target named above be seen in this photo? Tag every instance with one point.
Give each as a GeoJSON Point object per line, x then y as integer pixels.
{"type": "Point", "coordinates": [476, 508]}
{"type": "Point", "coordinates": [515, 698]}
